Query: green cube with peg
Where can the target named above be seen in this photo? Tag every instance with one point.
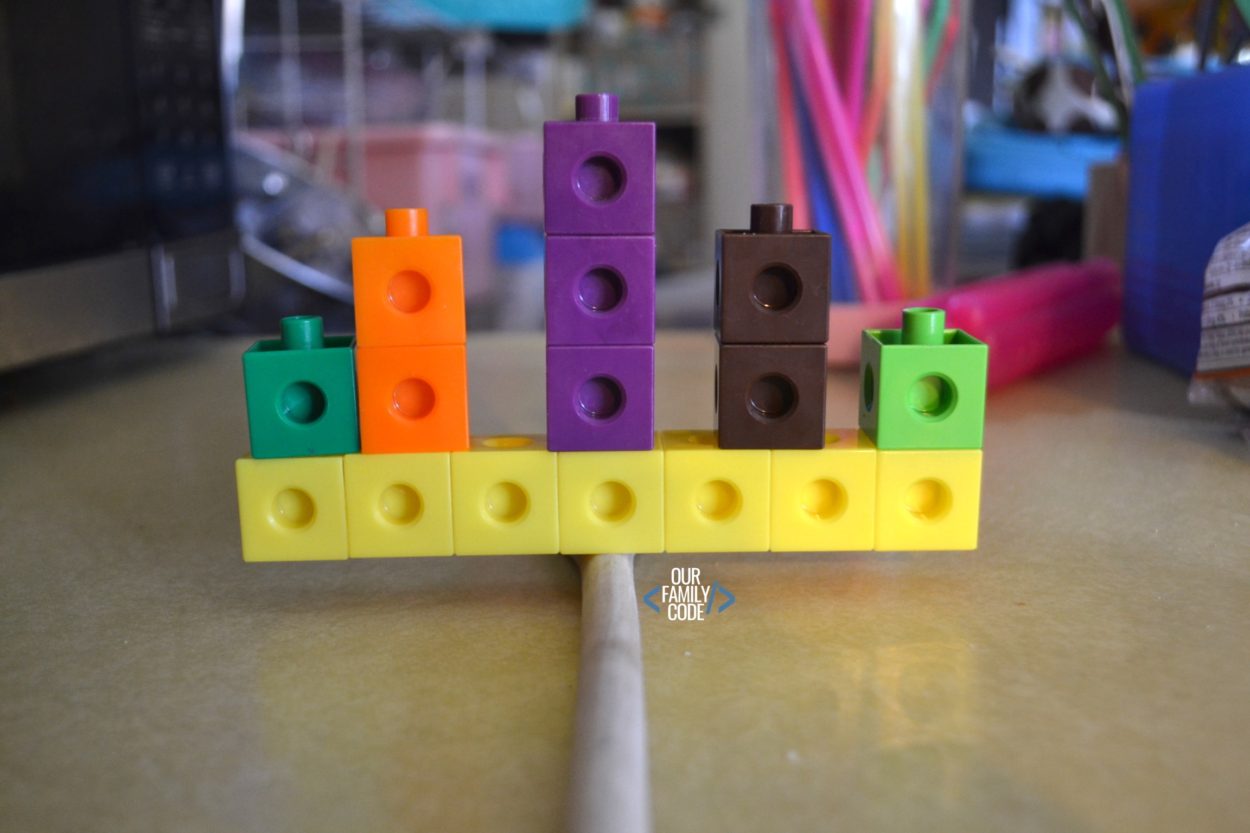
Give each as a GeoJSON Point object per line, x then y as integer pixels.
{"type": "Point", "coordinates": [301, 392]}
{"type": "Point", "coordinates": [923, 386]}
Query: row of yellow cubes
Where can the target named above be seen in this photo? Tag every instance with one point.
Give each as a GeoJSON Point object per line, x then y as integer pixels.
{"type": "Point", "coordinates": [509, 495]}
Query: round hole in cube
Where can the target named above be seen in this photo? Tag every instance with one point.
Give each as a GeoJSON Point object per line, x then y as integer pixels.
{"type": "Point", "coordinates": [599, 179]}
{"type": "Point", "coordinates": [600, 398]}
{"type": "Point", "coordinates": [772, 397]}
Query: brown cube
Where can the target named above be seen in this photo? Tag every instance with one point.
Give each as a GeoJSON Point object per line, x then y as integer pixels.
{"type": "Point", "coordinates": [771, 396]}
{"type": "Point", "coordinates": [772, 283]}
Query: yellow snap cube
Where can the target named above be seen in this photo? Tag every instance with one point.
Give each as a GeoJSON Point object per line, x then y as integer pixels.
{"type": "Point", "coordinates": [825, 499]}
{"type": "Point", "coordinates": [611, 501]}
{"type": "Point", "coordinates": [398, 504]}
{"type": "Point", "coordinates": [715, 500]}
{"type": "Point", "coordinates": [503, 497]}
{"type": "Point", "coordinates": [928, 500]}
{"type": "Point", "coordinates": [292, 509]}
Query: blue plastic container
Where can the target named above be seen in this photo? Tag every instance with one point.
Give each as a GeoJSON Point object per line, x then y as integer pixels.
{"type": "Point", "coordinates": [1189, 186]}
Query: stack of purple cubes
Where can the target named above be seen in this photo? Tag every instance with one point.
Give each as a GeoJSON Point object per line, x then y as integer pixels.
{"type": "Point", "coordinates": [599, 217]}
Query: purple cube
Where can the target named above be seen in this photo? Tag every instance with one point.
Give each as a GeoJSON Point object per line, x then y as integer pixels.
{"type": "Point", "coordinates": [600, 398]}
{"type": "Point", "coordinates": [598, 173]}
{"type": "Point", "coordinates": [601, 290]}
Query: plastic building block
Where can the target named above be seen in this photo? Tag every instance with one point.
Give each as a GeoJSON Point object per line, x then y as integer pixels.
{"type": "Point", "coordinates": [923, 387]}
{"type": "Point", "coordinates": [503, 497]}
{"type": "Point", "coordinates": [398, 505]}
{"type": "Point", "coordinates": [772, 283]}
{"type": "Point", "coordinates": [598, 172]}
{"type": "Point", "coordinates": [714, 500]}
{"type": "Point", "coordinates": [601, 398]}
{"type": "Point", "coordinates": [826, 499]}
{"type": "Point", "coordinates": [771, 396]}
{"type": "Point", "coordinates": [413, 399]}
{"type": "Point", "coordinates": [928, 500]}
{"type": "Point", "coordinates": [409, 285]}
{"type": "Point", "coordinates": [611, 500]}
{"type": "Point", "coordinates": [292, 509]}
{"type": "Point", "coordinates": [600, 290]}
{"type": "Point", "coordinates": [301, 392]}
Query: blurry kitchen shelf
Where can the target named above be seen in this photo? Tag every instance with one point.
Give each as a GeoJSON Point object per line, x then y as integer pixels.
{"type": "Point", "coordinates": [664, 115]}
{"type": "Point", "coordinates": [276, 43]}
{"type": "Point", "coordinates": [991, 224]}
{"type": "Point", "coordinates": [679, 243]}
{"type": "Point", "coordinates": [656, 72]}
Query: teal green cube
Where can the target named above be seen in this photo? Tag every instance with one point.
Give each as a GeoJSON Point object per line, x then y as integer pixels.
{"type": "Point", "coordinates": [301, 392]}
{"type": "Point", "coordinates": [923, 386]}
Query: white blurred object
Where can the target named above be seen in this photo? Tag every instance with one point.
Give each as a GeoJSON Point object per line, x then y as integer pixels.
{"type": "Point", "coordinates": [1223, 373]}
{"type": "Point", "coordinates": [1051, 95]}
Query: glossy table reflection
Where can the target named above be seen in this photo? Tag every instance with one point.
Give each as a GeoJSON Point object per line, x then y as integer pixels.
{"type": "Point", "coordinates": [1088, 669]}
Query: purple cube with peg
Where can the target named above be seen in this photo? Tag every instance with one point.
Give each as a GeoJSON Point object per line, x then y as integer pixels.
{"type": "Point", "coordinates": [601, 398]}
{"type": "Point", "coordinates": [600, 290]}
{"type": "Point", "coordinates": [598, 172]}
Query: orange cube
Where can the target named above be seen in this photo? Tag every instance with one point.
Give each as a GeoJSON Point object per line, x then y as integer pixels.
{"type": "Point", "coordinates": [409, 285]}
{"type": "Point", "coordinates": [412, 399]}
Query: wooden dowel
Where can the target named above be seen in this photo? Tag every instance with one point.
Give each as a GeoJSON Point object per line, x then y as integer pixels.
{"type": "Point", "coordinates": [610, 789]}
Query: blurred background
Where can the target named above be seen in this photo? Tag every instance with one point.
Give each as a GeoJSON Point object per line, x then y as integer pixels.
{"type": "Point", "coordinates": [180, 163]}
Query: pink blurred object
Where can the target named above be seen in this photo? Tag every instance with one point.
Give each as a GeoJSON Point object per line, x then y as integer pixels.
{"type": "Point", "coordinates": [1032, 320]}
{"type": "Point", "coordinates": [848, 321]}
{"type": "Point", "coordinates": [523, 157]}
{"type": "Point", "coordinates": [410, 164]}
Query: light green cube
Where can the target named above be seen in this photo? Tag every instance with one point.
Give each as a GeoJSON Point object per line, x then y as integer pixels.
{"type": "Point", "coordinates": [923, 386]}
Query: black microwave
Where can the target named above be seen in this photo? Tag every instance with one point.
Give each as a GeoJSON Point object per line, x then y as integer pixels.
{"type": "Point", "coordinates": [116, 205]}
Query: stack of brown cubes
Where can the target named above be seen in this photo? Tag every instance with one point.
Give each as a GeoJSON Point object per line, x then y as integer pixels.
{"type": "Point", "coordinates": [772, 325]}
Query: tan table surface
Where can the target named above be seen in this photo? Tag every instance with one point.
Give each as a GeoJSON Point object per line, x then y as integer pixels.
{"type": "Point", "coordinates": [1087, 670]}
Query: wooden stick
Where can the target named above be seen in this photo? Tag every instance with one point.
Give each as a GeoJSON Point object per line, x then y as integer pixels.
{"type": "Point", "coordinates": [610, 788]}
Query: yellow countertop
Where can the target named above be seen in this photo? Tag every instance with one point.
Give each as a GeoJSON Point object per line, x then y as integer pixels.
{"type": "Point", "coordinates": [1088, 669]}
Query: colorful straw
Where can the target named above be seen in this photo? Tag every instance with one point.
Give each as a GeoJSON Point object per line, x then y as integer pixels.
{"type": "Point", "coordinates": [870, 124]}
{"type": "Point", "coordinates": [950, 37]}
{"type": "Point", "coordinates": [865, 237]}
{"type": "Point", "coordinates": [854, 104]}
{"type": "Point", "coordinates": [792, 176]}
{"type": "Point", "coordinates": [935, 31]}
{"type": "Point", "coordinates": [908, 147]}
{"type": "Point", "coordinates": [860, 29]}
{"type": "Point", "coordinates": [824, 212]}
